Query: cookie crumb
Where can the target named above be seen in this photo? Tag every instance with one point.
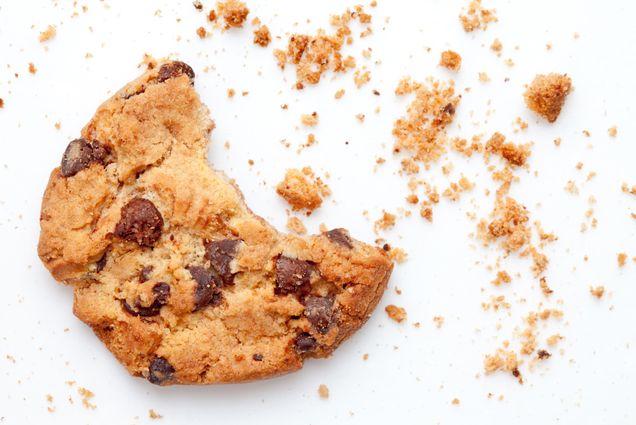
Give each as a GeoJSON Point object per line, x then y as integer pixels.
{"type": "Point", "coordinates": [450, 60]}
{"type": "Point", "coordinates": [396, 313]}
{"type": "Point", "coordinates": [233, 12]}
{"type": "Point", "coordinates": [502, 277]}
{"type": "Point", "coordinates": [398, 255]}
{"type": "Point", "coordinates": [496, 45]}
{"type": "Point", "coordinates": [32, 68]}
{"type": "Point", "coordinates": [201, 32]}
{"type": "Point", "coordinates": [86, 395]}
{"type": "Point", "coordinates": [439, 321]}
{"type": "Point", "coordinates": [361, 78]}
{"type": "Point", "coordinates": [477, 17]}
{"type": "Point", "coordinates": [621, 257]}
{"type": "Point", "coordinates": [295, 225]}
{"type": "Point", "coordinates": [231, 93]}
{"type": "Point", "coordinates": [455, 401]}
{"type": "Point", "coordinates": [1, 103]}
{"type": "Point", "coordinates": [262, 36]}
{"type": "Point", "coordinates": [547, 93]}
{"type": "Point", "coordinates": [309, 119]}
{"type": "Point", "coordinates": [47, 34]}
{"type": "Point", "coordinates": [154, 415]}
{"type": "Point", "coordinates": [385, 222]}
{"type": "Point", "coordinates": [612, 131]}
{"type": "Point", "coordinates": [365, 356]}
{"type": "Point", "coordinates": [339, 94]}
{"type": "Point", "coordinates": [597, 292]}
{"type": "Point", "coordinates": [483, 77]}
{"type": "Point", "coordinates": [552, 340]}
{"type": "Point", "coordinates": [323, 391]}
{"type": "Point", "coordinates": [302, 190]}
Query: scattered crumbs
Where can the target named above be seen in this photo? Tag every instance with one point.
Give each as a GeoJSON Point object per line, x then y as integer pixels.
{"type": "Point", "coordinates": [339, 94]}
{"type": "Point", "coordinates": [521, 124]}
{"type": "Point", "coordinates": [154, 415]}
{"type": "Point", "coordinates": [47, 34]}
{"type": "Point", "coordinates": [483, 77]}
{"type": "Point", "coordinates": [295, 225]}
{"type": "Point", "coordinates": [476, 17]}
{"type": "Point", "coordinates": [32, 68]}
{"type": "Point", "coordinates": [504, 360]}
{"type": "Point", "coordinates": [621, 257]}
{"type": "Point", "coordinates": [546, 94]}
{"type": "Point", "coordinates": [496, 45]}
{"type": "Point", "coordinates": [262, 36]}
{"type": "Point", "coordinates": [502, 277]}
{"type": "Point", "coordinates": [233, 12]}
{"type": "Point", "coordinates": [395, 313]}
{"type": "Point", "coordinates": [201, 32]}
{"type": "Point", "coordinates": [496, 303]}
{"type": "Point", "coordinates": [439, 321]}
{"type": "Point", "coordinates": [455, 402]}
{"type": "Point", "coordinates": [597, 292]}
{"type": "Point", "coordinates": [309, 119]}
{"type": "Point", "coordinates": [612, 131]}
{"type": "Point", "coordinates": [450, 60]}
{"type": "Point", "coordinates": [87, 396]}
{"type": "Point", "coordinates": [626, 189]}
{"type": "Point", "coordinates": [453, 191]}
{"type": "Point", "coordinates": [50, 408]}
{"type": "Point", "coordinates": [361, 78]}
{"type": "Point", "coordinates": [543, 283]}
{"type": "Point", "coordinates": [323, 391]}
{"type": "Point", "coordinates": [302, 189]}
{"type": "Point", "coordinates": [385, 222]}
{"type": "Point", "coordinates": [571, 187]}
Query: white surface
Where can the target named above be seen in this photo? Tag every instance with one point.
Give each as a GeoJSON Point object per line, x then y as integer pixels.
{"type": "Point", "coordinates": [412, 374]}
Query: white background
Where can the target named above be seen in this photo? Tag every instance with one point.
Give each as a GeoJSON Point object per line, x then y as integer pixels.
{"type": "Point", "coordinates": [412, 374]}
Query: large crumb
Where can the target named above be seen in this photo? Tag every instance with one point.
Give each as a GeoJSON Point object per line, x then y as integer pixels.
{"type": "Point", "coordinates": [514, 154]}
{"type": "Point", "coordinates": [546, 95]}
{"type": "Point", "coordinates": [476, 17]}
{"type": "Point", "coordinates": [302, 189]}
{"type": "Point", "coordinates": [262, 36]}
{"type": "Point", "coordinates": [47, 34]}
{"type": "Point", "coordinates": [295, 225]}
{"type": "Point", "coordinates": [395, 313]}
{"type": "Point", "coordinates": [309, 119]}
{"type": "Point", "coordinates": [313, 55]}
{"type": "Point", "coordinates": [385, 222]}
{"type": "Point", "coordinates": [233, 12]}
{"type": "Point", "coordinates": [450, 60]}
{"type": "Point", "coordinates": [323, 391]}
{"type": "Point", "coordinates": [505, 360]}
{"type": "Point", "coordinates": [86, 395]}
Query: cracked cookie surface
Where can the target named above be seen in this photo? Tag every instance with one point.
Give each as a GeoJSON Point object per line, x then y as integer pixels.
{"type": "Point", "coordinates": [170, 268]}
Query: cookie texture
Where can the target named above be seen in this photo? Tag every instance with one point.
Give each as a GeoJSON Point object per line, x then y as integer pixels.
{"type": "Point", "coordinates": [170, 268]}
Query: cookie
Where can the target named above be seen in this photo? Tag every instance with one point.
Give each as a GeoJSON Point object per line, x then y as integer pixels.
{"type": "Point", "coordinates": [170, 268]}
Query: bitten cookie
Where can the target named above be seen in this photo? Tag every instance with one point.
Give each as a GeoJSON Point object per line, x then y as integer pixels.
{"type": "Point", "coordinates": [170, 268]}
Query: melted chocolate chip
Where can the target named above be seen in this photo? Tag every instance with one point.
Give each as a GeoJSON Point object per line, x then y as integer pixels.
{"type": "Point", "coordinates": [340, 237]}
{"type": "Point", "coordinates": [101, 263]}
{"type": "Point", "coordinates": [257, 357]}
{"type": "Point", "coordinates": [161, 291]}
{"type": "Point", "coordinates": [174, 70]}
{"type": "Point", "coordinates": [160, 371]}
{"type": "Point", "coordinates": [140, 222]}
{"type": "Point", "coordinates": [292, 276]}
{"type": "Point", "coordinates": [319, 312]}
{"type": "Point", "coordinates": [304, 343]}
{"type": "Point", "coordinates": [220, 254]}
{"type": "Point", "coordinates": [79, 154]}
{"type": "Point", "coordinates": [206, 292]}
{"type": "Point", "coordinates": [144, 274]}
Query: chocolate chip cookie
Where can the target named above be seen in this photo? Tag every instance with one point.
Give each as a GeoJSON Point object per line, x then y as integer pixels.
{"type": "Point", "coordinates": [170, 268]}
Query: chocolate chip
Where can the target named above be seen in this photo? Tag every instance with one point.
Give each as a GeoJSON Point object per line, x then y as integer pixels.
{"type": "Point", "coordinates": [161, 291]}
{"type": "Point", "coordinates": [340, 237]}
{"type": "Point", "coordinates": [319, 312]}
{"type": "Point", "coordinates": [220, 254]}
{"type": "Point", "coordinates": [257, 357]}
{"type": "Point", "coordinates": [304, 343]}
{"type": "Point", "coordinates": [206, 292]}
{"type": "Point", "coordinates": [543, 354]}
{"type": "Point", "coordinates": [449, 109]}
{"type": "Point", "coordinates": [79, 154]}
{"type": "Point", "coordinates": [101, 263]}
{"type": "Point", "coordinates": [144, 274]}
{"type": "Point", "coordinates": [173, 70]}
{"type": "Point", "coordinates": [140, 222]}
{"type": "Point", "coordinates": [292, 276]}
{"type": "Point", "coordinates": [160, 371]}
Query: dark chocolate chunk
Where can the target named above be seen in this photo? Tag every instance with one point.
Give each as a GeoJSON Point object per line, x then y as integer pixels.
{"type": "Point", "coordinates": [101, 263]}
{"type": "Point", "coordinates": [160, 371]}
{"type": "Point", "coordinates": [161, 291]}
{"type": "Point", "coordinates": [173, 70]}
{"type": "Point", "coordinates": [543, 354]}
{"type": "Point", "coordinates": [207, 289]}
{"type": "Point", "coordinates": [144, 274]}
{"type": "Point", "coordinates": [140, 222]}
{"type": "Point", "coordinates": [220, 254]}
{"type": "Point", "coordinates": [340, 237]}
{"type": "Point", "coordinates": [319, 312]}
{"type": "Point", "coordinates": [449, 109]}
{"type": "Point", "coordinates": [292, 276]}
{"type": "Point", "coordinates": [304, 343]}
{"type": "Point", "coordinates": [257, 357]}
{"type": "Point", "coordinates": [79, 154]}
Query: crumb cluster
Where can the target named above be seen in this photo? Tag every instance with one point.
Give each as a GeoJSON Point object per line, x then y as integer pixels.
{"type": "Point", "coordinates": [546, 95]}
{"type": "Point", "coordinates": [450, 60]}
{"type": "Point", "coordinates": [476, 17]}
{"type": "Point", "coordinates": [302, 189]}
